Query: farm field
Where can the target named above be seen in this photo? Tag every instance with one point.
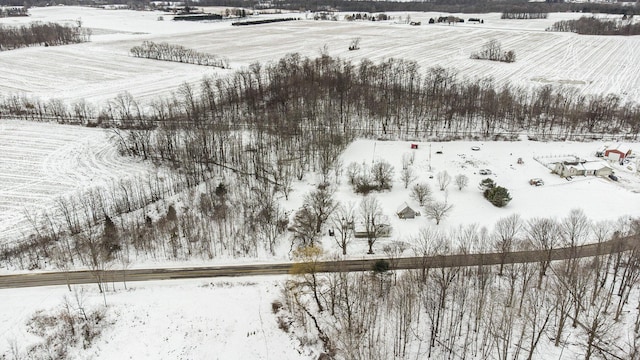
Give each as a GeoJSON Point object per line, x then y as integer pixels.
{"type": "Point", "coordinates": [40, 162]}
{"type": "Point", "coordinates": [99, 70]}
{"type": "Point", "coordinates": [216, 318]}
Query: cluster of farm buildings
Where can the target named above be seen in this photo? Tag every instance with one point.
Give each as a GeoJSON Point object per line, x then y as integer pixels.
{"type": "Point", "coordinates": [564, 166]}
{"type": "Point", "coordinates": [575, 166]}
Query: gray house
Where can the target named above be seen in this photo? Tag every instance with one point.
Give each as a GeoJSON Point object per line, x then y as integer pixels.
{"type": "Point", "coordinates": [406, 212]}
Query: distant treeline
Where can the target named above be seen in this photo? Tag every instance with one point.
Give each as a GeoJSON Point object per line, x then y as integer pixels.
{"type": "Point", "coordinates": [465, 6]}
{"type": "Point", "coordinates": [264, 21]}
{"type": "Point", "coordinates": [41, 34]}
{"type": "Point", "coordinates": [14, 11]}
{"type": "Point", "coordinates": [177, 53]}
{"type": "Point", "coordinates": [523, 15]}
{"type": "Point", "coordinates": [594, 26]}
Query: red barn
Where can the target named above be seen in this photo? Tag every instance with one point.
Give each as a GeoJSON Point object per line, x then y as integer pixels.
{"type": "Point", "coordinates": [617, 152]}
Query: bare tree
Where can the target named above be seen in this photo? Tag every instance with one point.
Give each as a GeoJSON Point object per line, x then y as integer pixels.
{"type": "Point", "coordinates": [372, 218]}
{"type": "Point", "coordinates": [304, 226]}
{"type": "Point", "coordinates": [421, 193]}
{"type": "Point", "coordinates": [382, 174]}
{"type": "Point", "coordinates": [505, 233]}
{"type": "Point", "coordinates": [343, 220]}
{"type": "Point", "coordinates": [408, 159]}
{"type": "Point", "coordinates": [575, 228]}
{"type": "Point", "coordinates": [544, 235]}
{"type": "Point", "coordinates": [354, 170]}
{"type": "Point", "coordinates": [462, 181]}
{"type": "Point", "coordinates": [98, 261]}
{"type": "Point", "coordinates": [321, 204]}
{"type": "Point", "coordinates": [307, 258]}
{"type": "Point", "coordinates": [437, 210]}
{"type": "Point", "coordinates": [444, 179]}
{"type": "Point", "coordinates": [407, 175]}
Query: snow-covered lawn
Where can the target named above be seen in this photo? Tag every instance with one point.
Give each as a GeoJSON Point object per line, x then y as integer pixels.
{"type": "Point", "coordinates": [40, 162]}
{"type": "Point", "coordinates": [99, 70]}
{"type": "Point", "coordinates": [601, 199]}
{"type": "Point", "coordinates": [197, 319]}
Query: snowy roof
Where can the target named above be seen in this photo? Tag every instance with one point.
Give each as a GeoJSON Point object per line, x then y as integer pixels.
{"type": "Point", "coordinates": [623, 148]}
{"type": "Point", "coordinates": [404, 206]}
{"type": "Point", "coordinates": [594, 165]}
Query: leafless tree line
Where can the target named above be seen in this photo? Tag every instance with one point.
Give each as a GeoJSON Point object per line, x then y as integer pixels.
{"type": "Point", "coordinates": [132, 220]}
{"type": "Point", "coordinates": [492, 50]}
{"type": "Point", "coordinates": [595, 26]}
{"type": "Point", "coordinates": [392, 99]}
{"type": "Point", "coordinates": [14, 11]}
{"type": "Point", "coordinates": [61, 236]}
{"type": "Point", "coordinates": [177, 53]}
{"type": "Point", "coordinates": [523, 14]}
{"type": "Point", "coordinates": [41, 34]}
{"type": "Point", "coordinates": [582, 307]}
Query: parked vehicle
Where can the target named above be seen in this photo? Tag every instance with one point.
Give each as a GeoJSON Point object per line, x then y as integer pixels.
{"type": "Point", "coordinates": [613, 177]}
{"type": "Point", "coordinates": [484, 172]}
{"type": "Point", "coordinates": [475, 148]}
{"type": "Point", "coordinates": [536, 182]}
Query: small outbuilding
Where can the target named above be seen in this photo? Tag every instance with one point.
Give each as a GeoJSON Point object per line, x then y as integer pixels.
{"type": "Point", "coordinates": [617, 152]}
{"type": "Point", "coordinates": [381, 230]}
{"type": "Point", "coordinates": [406, 212]}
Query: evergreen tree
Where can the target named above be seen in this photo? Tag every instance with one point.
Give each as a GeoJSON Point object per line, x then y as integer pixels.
{"type": "Point", "coordinates": [110, 238]}
{"type": "Point", "coordinates": [498, 196]}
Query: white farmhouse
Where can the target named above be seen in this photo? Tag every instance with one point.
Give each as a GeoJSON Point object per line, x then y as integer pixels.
{"type": "Point", "coordinates": [582, 168]}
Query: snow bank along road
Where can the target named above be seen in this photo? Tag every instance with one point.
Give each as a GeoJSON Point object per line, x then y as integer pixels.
{"type": "Point", "coordinates": [85, 277]}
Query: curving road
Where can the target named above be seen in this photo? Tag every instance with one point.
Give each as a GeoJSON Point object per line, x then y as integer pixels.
{"type": "Point", "coordinates": [464, 260]}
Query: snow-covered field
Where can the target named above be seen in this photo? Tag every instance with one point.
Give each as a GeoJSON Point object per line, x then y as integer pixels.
{"type": "Point", "coordinates": [232, 319]}
{"type": "Point", "coordinates": [99, 70]}
{"type": "Point", "coordinates": [196, 319]}
{"type": "Point", "coordinates": [40, 162]}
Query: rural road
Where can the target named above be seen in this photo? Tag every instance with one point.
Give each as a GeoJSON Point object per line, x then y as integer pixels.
{"type": "Point", "coordinates": [85, 277]}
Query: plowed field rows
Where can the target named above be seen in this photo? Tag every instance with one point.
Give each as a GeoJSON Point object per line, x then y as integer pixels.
{"type": "Point", "coordinates": [40, 162]}
{"type": "Point", "coordinates": [101, 69]}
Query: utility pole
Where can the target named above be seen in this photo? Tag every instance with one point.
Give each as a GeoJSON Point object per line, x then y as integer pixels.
{"type": "Point", "coordinates": [374, 153]}
{"type": "Point", "coordinates": [429, 157]}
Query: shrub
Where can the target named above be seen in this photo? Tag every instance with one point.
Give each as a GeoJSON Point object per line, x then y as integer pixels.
{"type": "Point", "coordinates": [498, 196]}
{"type": "Point", "coordinates": [365, 180]}
{"type": "Point", "coordinates": [486, 184]}
{"type": "Point", "coordinates": [276, 305]}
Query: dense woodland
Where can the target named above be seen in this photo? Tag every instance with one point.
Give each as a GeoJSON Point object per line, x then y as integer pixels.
{"type": "Point", "coordinates": [295, 97]}
{"type": "Point", "coordinates": [581, 308]}
{"type": "Point", "coordinates": [41, 34]}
